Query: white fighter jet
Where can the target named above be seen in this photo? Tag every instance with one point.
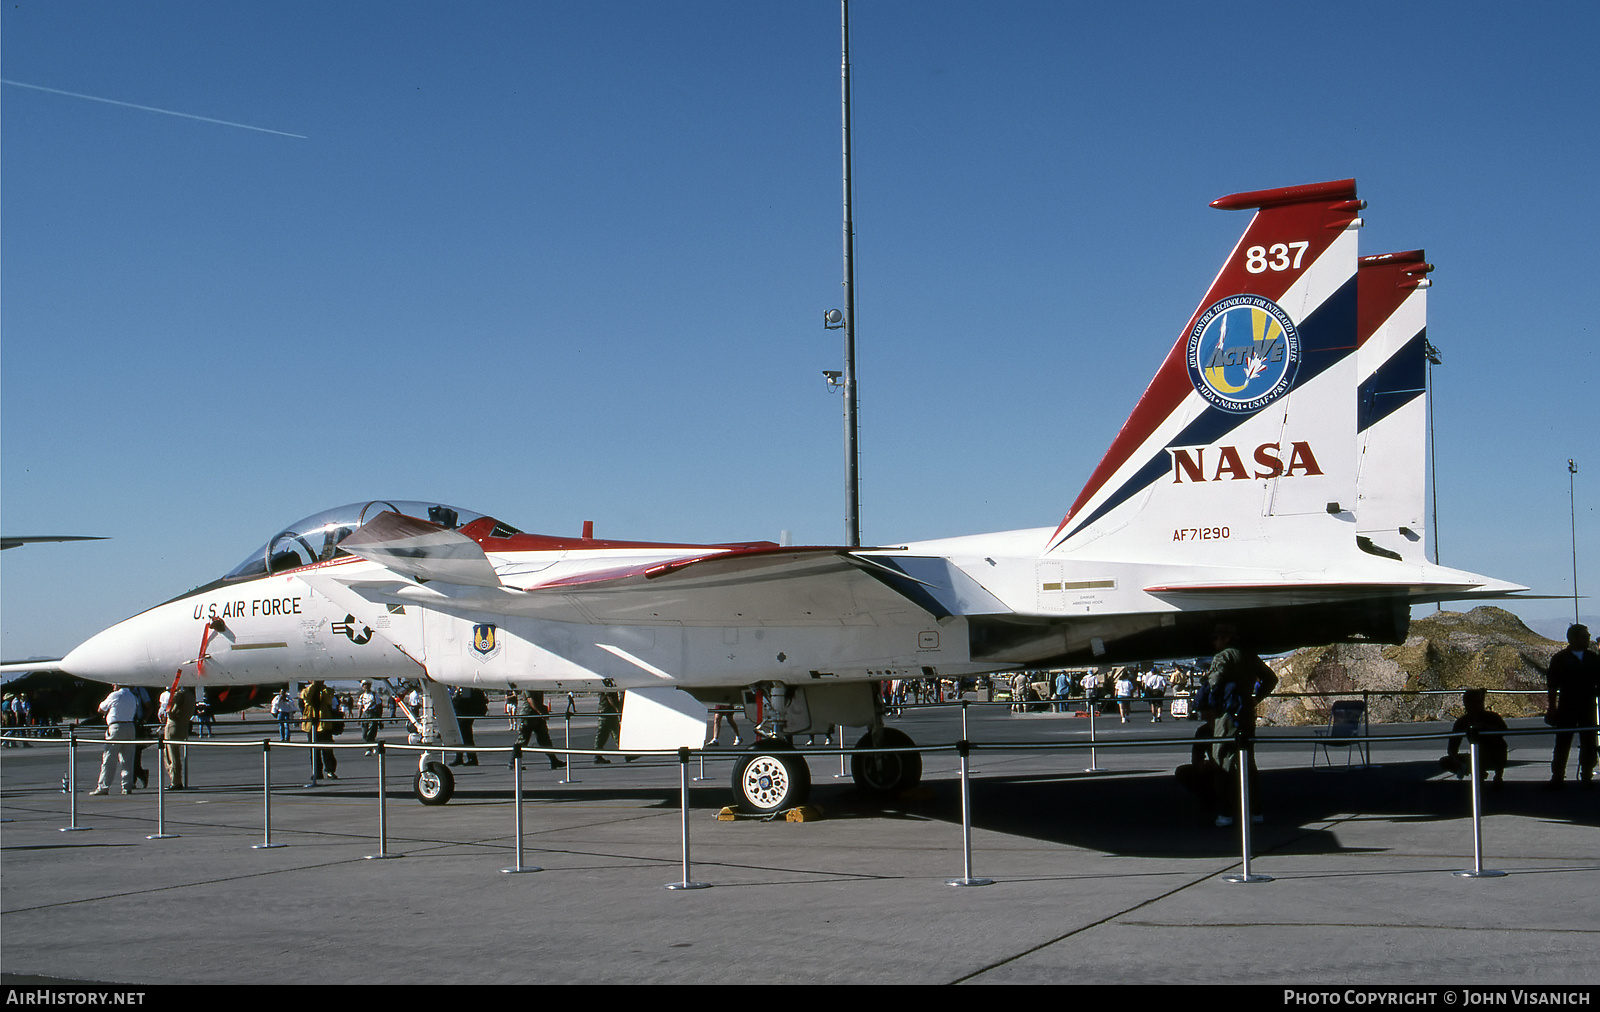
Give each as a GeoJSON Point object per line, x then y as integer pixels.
{"type": "Point", "coordinates": [1270, 477]}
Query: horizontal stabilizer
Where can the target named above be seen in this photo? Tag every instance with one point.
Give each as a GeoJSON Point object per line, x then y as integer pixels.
{"type": "Point", "coordinates": [1462, 586]}
{"type": "Point", "coordinates": [1341, 591]}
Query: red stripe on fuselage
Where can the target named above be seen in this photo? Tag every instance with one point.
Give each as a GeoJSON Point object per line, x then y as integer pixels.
{"type": "Point", "coordinates": [478, 530]}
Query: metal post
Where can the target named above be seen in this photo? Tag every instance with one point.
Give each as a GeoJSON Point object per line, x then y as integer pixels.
{"type": "Point", "coordinates": [266, 799]}
{"type": "Point", "coordinates": [161, 793]}
{"type": "Point", "coordinates": [1094, 766]}
{"type": "Point", "coordinates": [516, 809]}
{"type": "Point", "coordinates": [566, 776]}
{"type": "Point", "coordinates": [1572, 505]}
{"type": "Point", "coordinates": [383, 808]}
{"type": "Point", "coordinates": [1478, 870]}
{"type": "Point", "coordinates": [683, 804]}
{"type": "Point", "coordinates": [964, 735]}
{"type": "Point", "coordinates": [1247, 754]}
{"type": "Point", "coordinates": [963, 747]}
{"type": "Point", "coordinates": [72, 783]}
{"type": "Point", "coordinates": [852, 453]}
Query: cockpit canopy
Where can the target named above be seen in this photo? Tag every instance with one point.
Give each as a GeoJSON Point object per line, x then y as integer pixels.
{"type": "Point", "coordinates": [316, 538]}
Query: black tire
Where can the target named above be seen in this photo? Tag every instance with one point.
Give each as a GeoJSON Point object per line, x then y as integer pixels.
{"type": "Point", "coordinates": [434, 783]}
{"type": "Point", "coordinates": [885, 774]}
{"type": "Point", "coordinates": [770, 778]}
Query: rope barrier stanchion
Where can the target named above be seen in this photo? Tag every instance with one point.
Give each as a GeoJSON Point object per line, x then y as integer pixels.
{"type": "Point", "coordinates": [266, 800]}
{"type": "Point", "coordinates": [683, 803]}
{"type": "Point", "coordinates": [566, 777]}
{"type": "Point", "coordinates": [1478, 870]}
{"type": "Point", "coordinates": [516, 808]}
{"type": "Point", "coordinates": [964, 735]}
{"type": "Point", "coordinates": [1094, 766]}
{"type": "Point", "coordinates": [1246, 757]}
{"type": "Point", "coordinates": [963, 747]}
{"type": "Point", "coordinates": [383, 807]}
{"type": "Point", "coordinates": [161, 794]}
{"type": "Point", "coordinates": [844, 772]}
{"type": "Point", "coordinates": [72, 783]}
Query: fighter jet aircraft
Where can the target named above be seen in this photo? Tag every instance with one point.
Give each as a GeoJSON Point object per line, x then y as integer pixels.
{"type": "Point", "coordinates": [1252, 484]}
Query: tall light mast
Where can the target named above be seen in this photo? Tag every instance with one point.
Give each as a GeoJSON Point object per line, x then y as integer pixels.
{"type": "Point", "coordinates": [833, 319]}
{"type": "Point", "coordinates": [852, 453]}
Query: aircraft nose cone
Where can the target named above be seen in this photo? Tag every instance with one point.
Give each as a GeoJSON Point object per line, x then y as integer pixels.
{"type": "Point", "coordinates": [110, 656]}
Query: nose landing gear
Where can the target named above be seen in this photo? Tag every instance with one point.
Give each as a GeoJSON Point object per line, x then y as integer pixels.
{"type": "Point", "coordinates": [434, 783]}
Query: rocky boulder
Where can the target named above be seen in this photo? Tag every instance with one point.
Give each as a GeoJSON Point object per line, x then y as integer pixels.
{"type": "Point", "coordinates": [1485, 648]}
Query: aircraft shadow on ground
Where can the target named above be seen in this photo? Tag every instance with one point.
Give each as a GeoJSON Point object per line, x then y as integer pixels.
{"type": "Point", "coordinates": [1154, 816]}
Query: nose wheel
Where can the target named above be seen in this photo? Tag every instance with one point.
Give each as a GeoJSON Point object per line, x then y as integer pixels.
{"type": "Point", "coordinates": [434, 783]}
{"type": "Point", "coordinates": [770, 778]}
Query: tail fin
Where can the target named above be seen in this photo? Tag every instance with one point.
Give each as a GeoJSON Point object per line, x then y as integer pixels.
{"type": "Point", "coordinates": [1250, 423]}
{"type": "Point", "coordinates": [1391, 416]}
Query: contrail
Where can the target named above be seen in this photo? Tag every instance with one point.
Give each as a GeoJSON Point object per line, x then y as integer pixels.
{"type": "Point", "coordinates": [150, 108]}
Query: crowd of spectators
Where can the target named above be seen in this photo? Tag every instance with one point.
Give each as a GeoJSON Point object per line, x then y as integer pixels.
{"type": "Point", "coordinates": [1130, 691]}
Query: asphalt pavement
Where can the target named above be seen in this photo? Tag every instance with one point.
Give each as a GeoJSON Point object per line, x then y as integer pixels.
{"type": "Point", "coordinates": [1103, 876]}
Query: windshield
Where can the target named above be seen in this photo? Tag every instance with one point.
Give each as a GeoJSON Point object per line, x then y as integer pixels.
{"type": "Point", "coordinates": [316, 538]}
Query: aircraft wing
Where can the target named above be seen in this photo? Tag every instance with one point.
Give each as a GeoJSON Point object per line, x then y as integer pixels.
{"type": "Point", "coordinates": [435, 567]}
{"type": "Point", "coordinates": [421, 550]}
{"type": "Point", "coordinates": [17, 541]}
{"type": "Point", "coordinates": [12, 670]}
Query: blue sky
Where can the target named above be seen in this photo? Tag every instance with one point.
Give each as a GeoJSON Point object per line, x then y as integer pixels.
{"type": "Point", "coordinates": [567, 262]}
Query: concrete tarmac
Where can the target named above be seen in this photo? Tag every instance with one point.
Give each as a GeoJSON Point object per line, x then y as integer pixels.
{"type": "Point", "coordinates": [1099, 877]}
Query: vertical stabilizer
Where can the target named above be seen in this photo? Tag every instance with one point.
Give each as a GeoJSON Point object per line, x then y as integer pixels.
{"type": "Point", "coordinates": [1391, 412]}
{"type": "Point", "coordinates": [1250, 423]}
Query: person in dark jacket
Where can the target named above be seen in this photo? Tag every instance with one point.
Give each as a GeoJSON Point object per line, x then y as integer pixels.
{"type": "Point", "coordinates": [1235, 683]}
{"type": "Point", "coordinates": [1573, 681]}
{"type": "Point", "coordinates": [531, 726]}
{"type": "Point", "coordinates": [469, 703]}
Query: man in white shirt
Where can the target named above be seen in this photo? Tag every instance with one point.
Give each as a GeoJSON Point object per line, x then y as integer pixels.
{"type": "Point", "coordinates": [370, 707]}
{"type": "Point", "coordinates": [1155, 691]}
{"type": "Point", "coordinates": [122, 710]}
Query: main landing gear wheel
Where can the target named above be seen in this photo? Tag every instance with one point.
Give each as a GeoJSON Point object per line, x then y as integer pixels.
{"type": "Point", "coordinates": [885, 774]}
{"type": "Point", "coordinates": [771, 777]}
{"type": "Point", "coordinates": [434, 783]}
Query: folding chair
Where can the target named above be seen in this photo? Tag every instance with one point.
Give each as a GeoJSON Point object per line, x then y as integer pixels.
{"type": "Point", "coordinates": [1345, 730]}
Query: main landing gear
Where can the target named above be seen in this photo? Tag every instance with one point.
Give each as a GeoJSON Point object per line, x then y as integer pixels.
{"type": "Point", "coordinates": [771, 777]}
{"type": "Point", "coordinates": [882, 775]}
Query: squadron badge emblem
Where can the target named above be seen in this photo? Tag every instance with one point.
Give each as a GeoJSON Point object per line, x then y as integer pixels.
{"type": "Point", "coordinates": [484, 642]}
